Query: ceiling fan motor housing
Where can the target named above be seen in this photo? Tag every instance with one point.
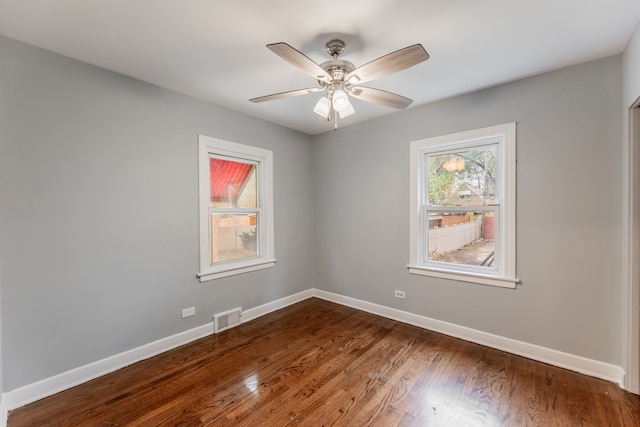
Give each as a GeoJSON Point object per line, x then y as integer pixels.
{"type": "Point", "coordinates": [337, 69]}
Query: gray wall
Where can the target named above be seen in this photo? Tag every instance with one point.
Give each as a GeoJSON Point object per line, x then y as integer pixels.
{"type": "Point", "coordinates": [568, 204]}
{"type": "Point", "coordinates": [99, 213]}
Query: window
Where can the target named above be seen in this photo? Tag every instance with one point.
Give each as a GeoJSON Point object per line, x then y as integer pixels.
{"type": "Point", "coordinates": [462, 218]}
{"type": "Point", "coordinates": [236, 208]}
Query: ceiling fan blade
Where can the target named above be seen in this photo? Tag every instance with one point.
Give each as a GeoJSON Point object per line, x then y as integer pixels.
{"type": "Point", "coordinates": [380, 97]}
{"type": "Point", "coordinates": [288, 94]}
{"type": "Point", "coordinates": [388, 64]}
{"type": "Point", "coordinates": [300, 60]}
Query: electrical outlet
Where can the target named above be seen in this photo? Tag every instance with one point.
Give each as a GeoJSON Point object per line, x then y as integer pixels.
{"type": "Point", "coordinates": [399, 294]}
{"type": "Point", "coordinates": [188, 312]}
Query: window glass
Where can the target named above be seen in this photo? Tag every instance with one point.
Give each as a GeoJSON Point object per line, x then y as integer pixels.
{"type": "Point", "coordinates": [233, 236]}
{"type": "Point", "coordinates": [463, 178]}
{"type": "Point", "coordinates": [466, 238]}
{"type": "Point", "coordinates": [233, 183]}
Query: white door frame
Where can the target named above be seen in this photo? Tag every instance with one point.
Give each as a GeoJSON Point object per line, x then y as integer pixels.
{"type": "Point", "coordinates": [631, 251]}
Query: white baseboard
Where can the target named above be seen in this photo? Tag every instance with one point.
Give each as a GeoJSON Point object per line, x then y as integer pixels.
{"type": "Point", "coordinates": [35, 391]}
{"type": "Point", "coordinates": [572, 362]}
{"type": "Point", "coordinates": [261, 310]}
{"type": "Point", "coordinates": [3, 412]}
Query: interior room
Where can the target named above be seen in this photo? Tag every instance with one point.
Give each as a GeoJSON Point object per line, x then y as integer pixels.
{"type": "Point", "coordinates": [108, 110]}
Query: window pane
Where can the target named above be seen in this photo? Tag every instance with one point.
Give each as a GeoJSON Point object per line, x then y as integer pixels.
{"type": "Point", "coordinates": [463, 178]}
{"type": "Point", "coordinates": [461, 237]}
{"type": "Point", "coordinates": [233, 183]}
{"type": "Point", "coordinates": [233, 236]}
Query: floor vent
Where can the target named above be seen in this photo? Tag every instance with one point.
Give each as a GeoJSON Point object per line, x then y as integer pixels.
{"type": "Point", "coordinates": [226, 320]}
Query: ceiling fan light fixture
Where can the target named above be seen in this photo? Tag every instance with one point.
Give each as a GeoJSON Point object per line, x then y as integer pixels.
{"type": "Point", "coordinates": [322, 108]}
{"type": "Point", "coordinates": [340, 101]}
{"type": "Point", "coordinates": [346, 113]}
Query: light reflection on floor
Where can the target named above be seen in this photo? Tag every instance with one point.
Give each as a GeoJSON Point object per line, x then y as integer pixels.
{"type": "Point", "coordinates": [450, 409]}
{"type": "Point", "coordinates": [251, 383]}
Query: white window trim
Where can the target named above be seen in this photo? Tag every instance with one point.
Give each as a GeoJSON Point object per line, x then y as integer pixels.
{"type": "Point", "coordinates": [505, 136]}
{"type": "Point", "coordinates": [264, 160]}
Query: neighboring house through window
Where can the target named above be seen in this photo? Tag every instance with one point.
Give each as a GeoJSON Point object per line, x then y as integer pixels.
{"type": "Point", "coordinates": [236, 208]}
{"type": "Point", "coordinates": [463, 206]}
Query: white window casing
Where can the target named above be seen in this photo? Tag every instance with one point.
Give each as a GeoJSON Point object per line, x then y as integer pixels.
{"type": "Point", "coordinates": [263, 160]}
{"type": "Point", "coordinates": [502, 138]}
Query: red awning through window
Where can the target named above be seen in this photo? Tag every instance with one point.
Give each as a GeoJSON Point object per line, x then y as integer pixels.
{"type": "Point", "coordinates": [227, 178]}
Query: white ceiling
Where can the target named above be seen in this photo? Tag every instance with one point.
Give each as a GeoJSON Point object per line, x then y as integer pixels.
{"type": "Point", "coordinates": [215, 50]}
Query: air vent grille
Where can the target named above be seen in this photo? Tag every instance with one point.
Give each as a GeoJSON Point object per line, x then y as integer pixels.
{"type": "Point", "coordinates": [227, 319]}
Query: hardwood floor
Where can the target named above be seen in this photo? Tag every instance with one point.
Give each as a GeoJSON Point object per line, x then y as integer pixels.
{"type": "Point", "coordinates": [320, 364]}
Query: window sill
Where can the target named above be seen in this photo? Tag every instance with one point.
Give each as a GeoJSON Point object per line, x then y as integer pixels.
{"type": "Point", "coordinates": [480, 279]}
{"type": "Point", "coordinates": [232, 271]}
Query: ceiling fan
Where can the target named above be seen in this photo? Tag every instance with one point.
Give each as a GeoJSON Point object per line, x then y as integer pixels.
{"type": "Point", "coordinates": [340, 79]}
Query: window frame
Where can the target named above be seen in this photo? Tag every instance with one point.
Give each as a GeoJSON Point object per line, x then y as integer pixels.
{"type": "Point", "coordinates": [263, 159]}
{"type": "Point", "coordinates": [504, 274]}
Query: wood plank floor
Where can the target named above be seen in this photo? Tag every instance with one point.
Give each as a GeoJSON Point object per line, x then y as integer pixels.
{"type": "Point", "coordinates": [316, 363]}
